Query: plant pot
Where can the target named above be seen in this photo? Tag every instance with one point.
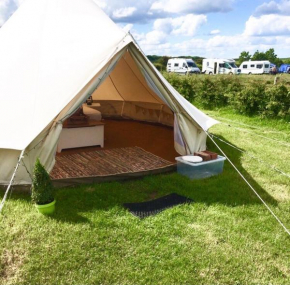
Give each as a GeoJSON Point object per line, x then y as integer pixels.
{"type": "Point", "coordinates": [46, 209]}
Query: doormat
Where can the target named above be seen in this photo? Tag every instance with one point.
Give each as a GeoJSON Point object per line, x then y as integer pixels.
{"type": "Point", "coordinates": [153, 207]}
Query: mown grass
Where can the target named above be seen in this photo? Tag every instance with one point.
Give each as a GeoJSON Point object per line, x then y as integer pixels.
{"type": "Point", "coordinates": [225, 237]}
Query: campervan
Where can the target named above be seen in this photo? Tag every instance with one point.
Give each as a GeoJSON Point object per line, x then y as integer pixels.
{"type": "Point", "coordinates": [219, 66]}
{"type": "Point", "coordinates": [182, 66]}
{"type": "Point", "coordinates": [255, 67]}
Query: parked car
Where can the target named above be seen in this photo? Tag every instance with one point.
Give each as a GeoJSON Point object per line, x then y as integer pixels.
{"type": "Point", "coordinates": [255, 67]}
{"type": "Point", "coordinates": [182, 66]}
{"type": "Point", "coordinates": [219, 66]}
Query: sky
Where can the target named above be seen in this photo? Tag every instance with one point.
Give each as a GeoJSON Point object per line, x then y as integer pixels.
{"type": "Point", "coordinates": [207, 28]}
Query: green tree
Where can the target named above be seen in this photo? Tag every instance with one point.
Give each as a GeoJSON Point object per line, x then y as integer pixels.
{"type": "Point", "coordinates": [162, 61]}
{"type": "Point", "coordinates": [286, 60]}
{"type": "Point", "coordinates": [272, 57]}
{"type": "Point", "coordinates": [244, 56]}
{"type": "Point", "coordinates": [259, 56]}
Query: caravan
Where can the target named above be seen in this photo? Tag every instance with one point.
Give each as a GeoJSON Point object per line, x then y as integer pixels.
{"type": "Point", "coordinates": [255, 67]}
{"type": "Point", "coordinates": [182, 66]}
{"type": "Point", "coordinates": [219, 66]}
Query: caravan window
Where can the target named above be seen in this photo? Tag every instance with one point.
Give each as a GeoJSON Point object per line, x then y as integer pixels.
{"type": "Point", "coordinates": [207, 64]}
{"type": "Point", "coordinates": [184, 65]}
{"type": "Point", "coordinates": [175, 64]}
{"type": "Point", "coordinates": [253, 65]}
{"type": "Point", "coordinates": [169, 64]}
{"type": "Point", "coordinates": [266, 65]}
{"type": "Point", "coordinates": [245, 66]}
{"type": "Point", "coordinates": [259, 65]}
{"type": "Point", "coordinates": [221, 65]}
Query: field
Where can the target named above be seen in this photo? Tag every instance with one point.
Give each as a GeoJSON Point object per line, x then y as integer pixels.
{"type": "Point", "coordinates": [225, 237]}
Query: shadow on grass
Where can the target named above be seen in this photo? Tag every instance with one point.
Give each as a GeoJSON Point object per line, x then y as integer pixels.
{"type": "Point", "coordinates": [229, 188]}
{"type": "Point", "coordinates": [75, 204]}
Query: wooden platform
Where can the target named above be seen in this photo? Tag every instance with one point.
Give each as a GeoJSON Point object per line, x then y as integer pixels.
{"type": "Point", "coordinates": [105, 165]}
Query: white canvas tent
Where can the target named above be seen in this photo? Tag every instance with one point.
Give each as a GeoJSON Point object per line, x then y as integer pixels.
{"type": "Point", "coordinates": [54, 54]}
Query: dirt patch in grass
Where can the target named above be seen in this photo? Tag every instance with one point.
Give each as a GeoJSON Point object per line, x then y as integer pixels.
{"type": "Point", "coordinates": [11, 262]}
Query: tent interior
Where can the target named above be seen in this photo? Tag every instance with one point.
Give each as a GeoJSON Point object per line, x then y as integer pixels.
{"type": "Point", "coordinates": [132, 114]}
{"type": "Point", "coordinates": [127, 94]}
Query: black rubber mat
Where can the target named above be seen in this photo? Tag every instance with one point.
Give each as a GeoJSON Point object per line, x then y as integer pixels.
{"type": "Point", "coordinates": [153, 207]}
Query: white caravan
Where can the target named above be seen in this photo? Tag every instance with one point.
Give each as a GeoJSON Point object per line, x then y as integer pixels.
{"type": "Point", "coordinates": [219, 66]}
{"type": "Point", "coordinates": [255, 67]}
{"type": "Point", "coordinates": [182, 66]}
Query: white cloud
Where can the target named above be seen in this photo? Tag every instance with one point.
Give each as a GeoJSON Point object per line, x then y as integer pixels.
{"type": "Point", "coordinates": [188, 25]}
{"type": "Point", "coordinates": [282, 8]}
{"type": "Point", "coordinates": [215, 32]}
{"type": "Point", "coordinates": [142, 11]}
{"type": "Point", "coordinates": [192, 6]}
{"type": "Point", "coordinates": [139, 37]}
{"type": "Point", "coordinates": [268, 25]}
{"type": "Point", "coordinates": [185, 25]}
{"type": "Point", "coordinates": [127, 27]}
{"type": "Point", "coordinates": [164, 25]}
{"type": "Point", "coordinates": [155, 38]}
{"type": "Point", "coordinates": [146, 10]}
{"type": "Point", "coordinates": [124, 12]}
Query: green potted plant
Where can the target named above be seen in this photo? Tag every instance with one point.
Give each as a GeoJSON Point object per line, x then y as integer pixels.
{"type": "Point", "coordinates": [42, 190]}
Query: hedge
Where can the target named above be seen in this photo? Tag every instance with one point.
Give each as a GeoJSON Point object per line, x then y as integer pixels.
{"type": "Point", "coordinates": [247, 95]}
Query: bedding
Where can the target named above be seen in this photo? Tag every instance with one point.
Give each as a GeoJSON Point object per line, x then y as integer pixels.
{"type": "Point", "coordinates": [92, 113]}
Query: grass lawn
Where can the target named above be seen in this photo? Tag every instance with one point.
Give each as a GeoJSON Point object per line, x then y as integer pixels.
{"type": "Point", "coordinates": [225, 237]}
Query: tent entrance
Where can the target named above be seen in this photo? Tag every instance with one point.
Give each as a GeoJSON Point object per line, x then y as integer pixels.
{"type": "Point", "coordinates": [131, 114]}
{"type": "Point", "coordinates": [131, 148]}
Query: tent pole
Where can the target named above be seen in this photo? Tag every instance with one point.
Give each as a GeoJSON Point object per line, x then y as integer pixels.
{"type": "Point", "coordinates": [11, 181]}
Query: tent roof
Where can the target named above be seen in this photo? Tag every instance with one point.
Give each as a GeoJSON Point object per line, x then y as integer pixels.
{"type": "Point", "coordinates": [49, 50]}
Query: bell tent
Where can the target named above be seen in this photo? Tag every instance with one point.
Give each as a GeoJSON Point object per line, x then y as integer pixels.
{"type": "Point", "coordinates": [54, 54]}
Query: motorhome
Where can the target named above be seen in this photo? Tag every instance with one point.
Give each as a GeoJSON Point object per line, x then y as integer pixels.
{"type": "Point", "coordinates": [255, 67]}
{"type": "Point", "coordinates": [182, 66]}
{"type": "Point", "coordinates": [219, 66]}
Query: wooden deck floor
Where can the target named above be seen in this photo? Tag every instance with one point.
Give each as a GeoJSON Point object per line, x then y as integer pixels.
{"type": "Point", "coordinates": [88, 166]}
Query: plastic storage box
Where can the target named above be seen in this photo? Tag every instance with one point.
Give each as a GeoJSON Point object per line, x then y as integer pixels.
{"type": "Point", "coordinates": [200, 170]}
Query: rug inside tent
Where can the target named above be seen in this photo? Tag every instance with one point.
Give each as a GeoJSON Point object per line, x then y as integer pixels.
{"type": "Point", "coordinates": [105, 162]}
